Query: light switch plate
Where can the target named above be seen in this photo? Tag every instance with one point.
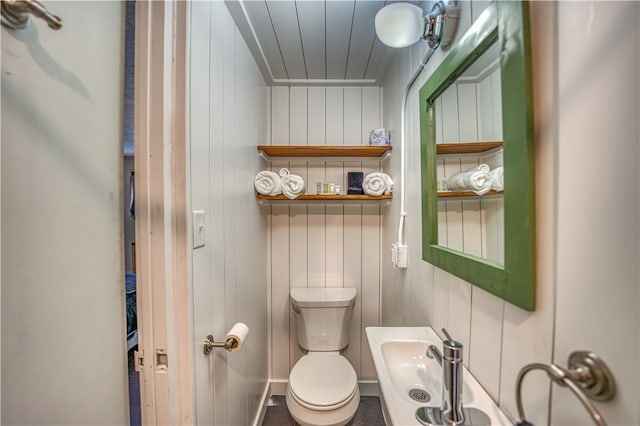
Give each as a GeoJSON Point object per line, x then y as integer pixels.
{"type": "Point", "coordinates": [199, 228]}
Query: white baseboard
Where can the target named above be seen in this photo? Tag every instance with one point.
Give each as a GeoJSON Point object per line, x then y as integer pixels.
{"type": "Point", "coordinates": [263, 405]}
{"type": "Point", "coordinates": [279, 387]}
{"type": "Point", "coordinates": [367, 387]}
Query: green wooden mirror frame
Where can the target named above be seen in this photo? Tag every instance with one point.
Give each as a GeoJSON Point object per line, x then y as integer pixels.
{"type": "Point", "coordinates": [506, 23]}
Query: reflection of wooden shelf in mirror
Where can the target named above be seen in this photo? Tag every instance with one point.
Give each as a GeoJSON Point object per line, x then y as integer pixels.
{"type": "Point", "coordinates": [456, 194]}
{"type": "Point", "coordinates": [467, 147]}
{"type": "Point", "coordinates": [295, 151]}
{"type": "Point", "coordinates": [315, 197]}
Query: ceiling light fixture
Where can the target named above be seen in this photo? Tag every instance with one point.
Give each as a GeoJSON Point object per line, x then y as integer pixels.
{"type": "Point", "coordinates": [402, 24]}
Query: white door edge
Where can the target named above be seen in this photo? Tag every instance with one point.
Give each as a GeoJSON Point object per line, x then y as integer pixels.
{"type": "Point", "coordinates": [164, 305]}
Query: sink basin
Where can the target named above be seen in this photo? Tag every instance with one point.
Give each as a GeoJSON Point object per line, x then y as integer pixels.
{"type": "Point", "coordinates": [410, 380]}
{"type": "Point", "coordinates": [409, 368]}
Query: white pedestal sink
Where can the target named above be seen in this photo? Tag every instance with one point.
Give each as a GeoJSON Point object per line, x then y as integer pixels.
{"type": "Point", "coordinates": [409, 380]}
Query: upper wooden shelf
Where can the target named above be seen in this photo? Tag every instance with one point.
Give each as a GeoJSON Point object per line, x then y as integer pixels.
{"type": "Point", "coordinates": [298, 151]}
{"type": "Point", "coordinates": [466, 147]}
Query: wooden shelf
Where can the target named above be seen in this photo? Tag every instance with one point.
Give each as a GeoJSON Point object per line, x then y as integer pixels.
{"type": "Point", "coordinates": [314, 197]}
{"type": "Point", "coordinates": [467, 147]}
{"type": "Point", "coordinates": [342, 153]}
{"type": "Point", "coordinates": [295, 151]}
{"type": "Point", "coordinates": [457, 194]}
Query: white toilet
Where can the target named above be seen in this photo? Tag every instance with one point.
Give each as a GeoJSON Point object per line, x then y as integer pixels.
{"type": "Point", "coordinates": [323, 386]}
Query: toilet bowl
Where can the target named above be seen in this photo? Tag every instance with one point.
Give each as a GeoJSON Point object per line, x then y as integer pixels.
{"type": "Point", "coordinates": [323, 390]}
{"type": "Point", "coordinates": [323, 386]}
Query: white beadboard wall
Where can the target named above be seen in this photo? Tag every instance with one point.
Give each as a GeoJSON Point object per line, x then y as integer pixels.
{"type": "Point", "coordinates": [587, 274]}
{"type": "Point", "coordinates": [228, 119]}
{"type": "Point", "coordinates": [324, 245]}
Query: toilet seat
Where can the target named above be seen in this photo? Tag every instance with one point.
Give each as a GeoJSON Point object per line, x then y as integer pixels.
{"type": "Point", "coordinates": [323, 381]}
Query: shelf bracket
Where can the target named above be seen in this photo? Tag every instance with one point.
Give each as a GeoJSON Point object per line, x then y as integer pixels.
{"type": "Point", "coordinates": [264, 156]}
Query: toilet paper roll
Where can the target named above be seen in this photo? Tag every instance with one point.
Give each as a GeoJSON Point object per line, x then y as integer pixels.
{"type": "Point", "coordinates": [238, 334]}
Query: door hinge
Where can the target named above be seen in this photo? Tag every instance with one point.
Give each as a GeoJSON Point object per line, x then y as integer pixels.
{"type": "Point", "coordinates": [138, 360]}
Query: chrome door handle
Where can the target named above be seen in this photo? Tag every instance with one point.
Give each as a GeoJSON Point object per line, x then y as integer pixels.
{"type": "Point", "coordinates": [15, 14]}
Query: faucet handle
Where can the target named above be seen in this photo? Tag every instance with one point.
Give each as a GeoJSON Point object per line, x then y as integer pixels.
{"type": "Point", "coordinates": [451, 349]}
{"type": "Point", "coordinates": [446, 334]}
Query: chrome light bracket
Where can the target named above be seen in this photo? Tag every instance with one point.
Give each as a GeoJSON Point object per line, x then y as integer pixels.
{"type": "Point", "coordinates": [440, 25]}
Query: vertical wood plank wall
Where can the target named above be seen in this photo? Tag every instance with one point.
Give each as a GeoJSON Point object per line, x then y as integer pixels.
{"type": "Point", "coordinates": [586, 292]}
{"type": "Point", "coordinates": [324, 245]}
{"type": "Point", "coordinates": [498, 338]}
{"type": "Point", "coordinates": [229, 105]}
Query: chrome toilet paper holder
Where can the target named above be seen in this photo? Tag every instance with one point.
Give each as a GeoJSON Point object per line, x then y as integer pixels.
{"type": "Point", "coordinates": [210, 343]}
{"type": "Point", "coordinates": [232, 340]}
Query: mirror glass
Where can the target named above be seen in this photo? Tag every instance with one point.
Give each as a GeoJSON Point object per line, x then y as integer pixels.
{"type": "Point", "coordinates": [468, 124]}
{"type": "Point", "coordinates": [476, 130]}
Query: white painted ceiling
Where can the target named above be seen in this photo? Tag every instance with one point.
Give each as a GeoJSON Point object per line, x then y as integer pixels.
{"type": "Point", "coordinates": [310, 42]}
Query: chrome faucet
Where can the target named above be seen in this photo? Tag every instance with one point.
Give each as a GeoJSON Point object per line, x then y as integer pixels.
{"type": "Point", "coordinates": [450, 359]}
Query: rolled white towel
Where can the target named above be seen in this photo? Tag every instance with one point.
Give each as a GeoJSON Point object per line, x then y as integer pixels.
{"type": "Point", "coordinates": [389, 184]}
{"type": "Point", "coordinates": [497, 179]}
{"type": "Point", "coordinates": [292, 186]}
{"type": "Point", "coordinates": [377, 183]}
{"type": "Point", "coordinates": [283, 172]}
{"type": "Point", "coordinates": [477, 179]}
{"type": "Point", "coordinates": [268, 183]}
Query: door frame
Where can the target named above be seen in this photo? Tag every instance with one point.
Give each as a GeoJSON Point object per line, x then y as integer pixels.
{"type": "Point", "coordinates": [162, 241]}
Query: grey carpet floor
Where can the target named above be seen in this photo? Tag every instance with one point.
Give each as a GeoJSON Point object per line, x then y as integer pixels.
{"type": "Point", "coordinates": [369, 413]}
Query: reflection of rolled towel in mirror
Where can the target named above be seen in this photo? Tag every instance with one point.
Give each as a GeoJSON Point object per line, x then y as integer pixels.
{"type": "Point", "coordinates": [268, 183]}
{"type": "Point", "coordinates": [477, 179]}
{"type": "Point", "coordinates": [497, 179]}
{"type": "Point", "coordinates": [377, 183]}
{"type": "Point", "coordinates": [237, 334]}
{"type": "Point", "coordinates": [292, 185]}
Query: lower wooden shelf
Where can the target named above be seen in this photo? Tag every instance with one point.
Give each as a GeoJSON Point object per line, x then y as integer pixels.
{"type": "Point", "coordinates": [326, 198]}
{"type": "Point", "coordinates": [458, 194]}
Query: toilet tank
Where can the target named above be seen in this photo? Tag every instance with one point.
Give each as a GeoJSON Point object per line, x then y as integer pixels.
{"type": "Point", "coordinates": [323, 317]}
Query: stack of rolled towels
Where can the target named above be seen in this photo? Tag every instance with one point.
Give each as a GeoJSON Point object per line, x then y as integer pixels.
{"type": "Point", "coordinates": [267, 182]}
{"type": "Point", "coordinates": [377, 184]}
{"type": "Point", "coordinates": [480, 179]}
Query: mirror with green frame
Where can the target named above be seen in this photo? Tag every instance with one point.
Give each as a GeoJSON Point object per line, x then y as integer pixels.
{"type": "Point", "coordinates": [478, 195]}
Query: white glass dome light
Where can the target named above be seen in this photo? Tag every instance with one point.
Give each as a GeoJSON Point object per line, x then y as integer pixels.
{"type": "Point", "coordinates": [399, 24]}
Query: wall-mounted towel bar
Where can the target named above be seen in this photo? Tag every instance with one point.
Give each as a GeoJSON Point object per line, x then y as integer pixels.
{"type": "Point", "coordinates": [15, 14]}
{"type": "Point", "coordinates": [588, 377]}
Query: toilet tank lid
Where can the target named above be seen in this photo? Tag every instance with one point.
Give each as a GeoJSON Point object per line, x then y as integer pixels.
{"type": "Point", "coordinates": [323, 297]}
